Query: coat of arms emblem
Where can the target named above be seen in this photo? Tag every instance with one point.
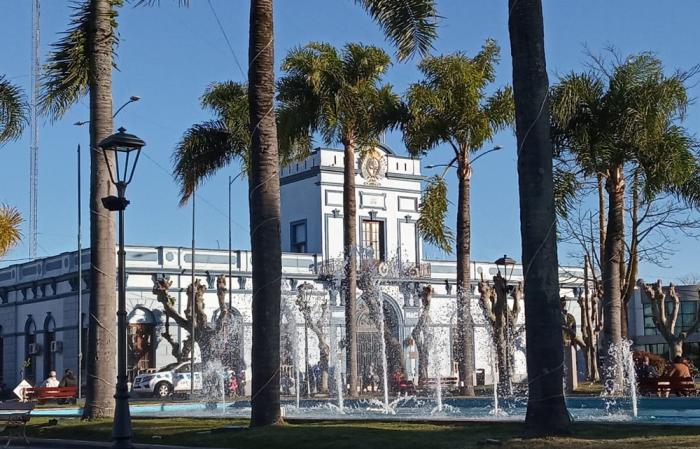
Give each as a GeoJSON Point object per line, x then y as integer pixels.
{"type": "Point", "coordinates": [373, 167]}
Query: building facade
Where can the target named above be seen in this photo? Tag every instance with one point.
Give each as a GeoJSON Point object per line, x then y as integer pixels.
{"type": "Point", "coordinates": [40, 313]}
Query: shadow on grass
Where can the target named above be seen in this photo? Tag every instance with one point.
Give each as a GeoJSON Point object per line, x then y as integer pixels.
{"type": "Point", "coordinates": [369, 434]}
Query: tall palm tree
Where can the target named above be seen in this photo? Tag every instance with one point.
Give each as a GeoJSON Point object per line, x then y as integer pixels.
{"type": "Point", "coordinates": [264, 198]}
{"type": "Point", "coordinates": [206, 147]}
{"type": "Point", "coordinates": [340, 96]}
{"type": "Point", "coordinates": [211, 145]}
{"type": "Point", "coordinates": [10, 221]}
{"type": "Point", "coordinates": [411, 26]}
{"type": "Point", "coordinates": [81, 63]}
{"type": "Point", "coordinates": [13, 118]}
{"type": "Point", "coordinates": [13, 111]}
{"type": "Point", "coordinates": [623, 123]}
{"type": "Point", "coordinates": [451, 107]}
{"type": "Point", "coordinates": [546, 409]}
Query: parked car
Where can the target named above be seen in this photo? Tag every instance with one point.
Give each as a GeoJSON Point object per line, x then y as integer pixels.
{"type": "Point", "coordinates": [166, 380]}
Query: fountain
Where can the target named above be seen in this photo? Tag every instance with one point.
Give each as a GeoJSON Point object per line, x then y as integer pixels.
{"type": "Point", "coordinates": [621, 375]}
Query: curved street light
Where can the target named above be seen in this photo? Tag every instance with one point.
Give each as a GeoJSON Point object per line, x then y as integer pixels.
{"type": "Point", "coordinates": [125, 149]}
{"type": "Point", "coordinates": [479, 156]}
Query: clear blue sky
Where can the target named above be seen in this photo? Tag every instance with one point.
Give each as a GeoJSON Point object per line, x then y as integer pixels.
{"type": "Point", "coordinates": [168, 55]}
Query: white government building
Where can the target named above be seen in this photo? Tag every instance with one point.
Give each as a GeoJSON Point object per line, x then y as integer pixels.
{"type": "Point", "coordinates": [39, 299]}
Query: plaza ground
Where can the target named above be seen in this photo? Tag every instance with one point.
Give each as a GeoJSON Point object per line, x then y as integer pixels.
{"type": "Point", "coordinates": [230, 433]}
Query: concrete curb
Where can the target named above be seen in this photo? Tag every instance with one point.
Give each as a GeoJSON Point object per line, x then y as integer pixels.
{"type": "Point", "coordinates": [81, 444]}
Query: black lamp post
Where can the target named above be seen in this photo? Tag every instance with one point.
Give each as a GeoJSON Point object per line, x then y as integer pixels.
{"type": "Point", "coordinates": [126, 149]}
{"type": "Point", "coordinates": [505, 262]}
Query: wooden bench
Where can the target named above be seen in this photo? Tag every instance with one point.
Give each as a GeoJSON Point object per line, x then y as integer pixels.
{"type": "Point", "coordinates": [14, 417]}
{"type": "Point", "coordinates": [444, 382]}
{"type": "Point", "coordinates": [664, 386]}
{"type": "Point", "coordinates": [43, 394]}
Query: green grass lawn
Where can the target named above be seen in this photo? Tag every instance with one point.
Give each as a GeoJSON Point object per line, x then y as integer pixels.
{"type": "Point", "coordinates": [360, 435]}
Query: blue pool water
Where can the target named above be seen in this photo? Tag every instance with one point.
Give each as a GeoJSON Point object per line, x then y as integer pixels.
{"type": "Point", "coordinates": [682, 411]}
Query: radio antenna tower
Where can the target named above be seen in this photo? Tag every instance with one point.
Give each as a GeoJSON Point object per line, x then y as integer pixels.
{"type": "Point", "coordinates": [34, 144]}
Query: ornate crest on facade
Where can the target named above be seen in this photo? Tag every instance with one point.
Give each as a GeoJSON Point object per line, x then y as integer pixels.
{"type": "Point", "coordinates": [373, 167]}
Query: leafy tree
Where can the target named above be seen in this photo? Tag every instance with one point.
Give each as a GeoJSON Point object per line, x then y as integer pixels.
{"type": "Point", "coordinates": [621, 123]}
{"type": "Point", "coordinates": [451, 107]}
{"type": "Point", "coordinates": [546, 408]}
{"type": "Point", "coordinates": [340, 96]}
{"type": "Point", "coordinates": [81, 63]}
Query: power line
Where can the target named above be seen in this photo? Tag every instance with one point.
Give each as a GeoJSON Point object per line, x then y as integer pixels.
{"type": "Point", "coordinates": [199, 196]}
{"type": "Point", "coordinates": [228, 42]}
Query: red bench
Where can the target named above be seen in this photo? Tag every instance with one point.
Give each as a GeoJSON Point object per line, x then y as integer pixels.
{"type": "Point", "coordinates": [664, 386]}
{"type": "Point", "coordinates": [43, 394]}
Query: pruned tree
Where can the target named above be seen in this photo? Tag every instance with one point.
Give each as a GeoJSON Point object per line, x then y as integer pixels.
{"type": "Point", "coordinates": [369, 281]}
{"type": "Point", "coordinates": [590, 305]}
{"type": "Point", "coordinates": [666, 320]}
{"type": "Point", "coordinates": [502, 321]}
{"type": "Point", "coordinates": [422, 334]}
{"type": "Point", "coordinates": [208, 335]}
{"type": "Point", "coordinates": [318, 321]}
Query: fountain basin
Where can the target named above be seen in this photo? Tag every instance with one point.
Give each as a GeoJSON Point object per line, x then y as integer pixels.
{"type": "Point", "coordinates": [677, 411]}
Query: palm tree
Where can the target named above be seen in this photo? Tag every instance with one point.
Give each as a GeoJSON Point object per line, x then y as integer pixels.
{"type": "Point", "coordinates": [81, 63]}
{"type": "Point", "coordinates": [623, 124]}
{"type": "Point", "coordinates": [13, 111]}
{"type": "Point", "coordinates": [10, 221]}
{"type": "Point", "coordinates": [411, 26]}
{"type": "Point", "coordinates": [206, 147]}
{"type": "Point", "coordinates": [13, 117]}
{"type": "Point", "coordinates": [451, 106]}
{"type": "Point", "coordinates": [340, 97]}
{"type": "Point", "coordinates": [546, 409]}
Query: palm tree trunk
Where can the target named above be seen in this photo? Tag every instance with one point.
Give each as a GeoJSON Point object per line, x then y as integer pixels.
{"type": "Point", "coordinates": [633, 266]}
{"type": "Point", "coordinates": [601, 218]}
{"type": "Point", "coordinates": [349, 243]}
{"type": "Point", "coordinates": [465, 324]}
{"type": "Point", "coordinates": [101, 364]}
{"type": "Point", "coordinates": [546, 409]}
{"type": "Point", "coordinates": [614, 247]}
{"type": "Point", "coordinates": [265, 239]}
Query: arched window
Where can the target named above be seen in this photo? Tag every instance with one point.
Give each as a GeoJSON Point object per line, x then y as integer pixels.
{"type": "Point", "coordinates": [49, 351]}
{"type": "Point", "coordinates": [30, 350]}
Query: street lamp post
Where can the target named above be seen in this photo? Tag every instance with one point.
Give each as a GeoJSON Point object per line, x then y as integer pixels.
{"type": "Point", "coordinates": [121, 145]}
{"type": "Point", "coordinates": [230, 250]}
{"type": "Point", "coordinates": [132, 99]}
{"type": "Point", "coordinates": [506, 262]}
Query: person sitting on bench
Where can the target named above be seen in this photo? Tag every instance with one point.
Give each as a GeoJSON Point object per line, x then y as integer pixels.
{"type": "Point", "coordinates": [68, 379]}
{"type": "Point", "coordinates": [51, 381]}
{"type": "Point", "coordinates": [679, 369]}
{"type": "Point", "coordinates": [645, 370]}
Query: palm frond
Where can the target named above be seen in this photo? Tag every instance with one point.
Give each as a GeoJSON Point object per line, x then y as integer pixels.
{"type": "Point", "coordinates": [410, 25]}
{"type": "Point", "coordinates": [204, 149]}
{"type": "Point", "coordinates": [13, 111]}
{"type": "Point", "coordinates": [433, 210]}
{"type": "Point", "coordinates": [66, 74]}
{"type": "Point", "coordinates": [566, 187]}
{"type": "Point", "coordinates": [10, 221]}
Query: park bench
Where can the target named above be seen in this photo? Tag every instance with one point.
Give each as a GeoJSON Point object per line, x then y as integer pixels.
{"type": "Point", "coordinates": [444, 382]}
{"type": "Point", "coordinates": [43, 394]}
{"type": "Point", "coordinates": [664, 386]}
{"type": "Point", "coordinates": [14, 417]}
